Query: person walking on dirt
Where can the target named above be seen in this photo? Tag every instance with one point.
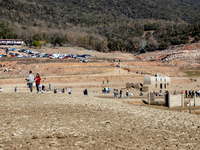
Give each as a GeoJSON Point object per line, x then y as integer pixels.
{"type": "Point", "coordinates": [69, 91]}
{"type": "Point", "coordinates": [16, 89]}
{"type": "Point", "coordinates": [85, 92]}
{"type": "Point", "coordinates": [37, 79]}
{"type": "Point", "coordinates": [127, 94]}
{"type": "Point", "coordinates": [63, 90]}
{"type": "Point", "coordinates": [30, 80]}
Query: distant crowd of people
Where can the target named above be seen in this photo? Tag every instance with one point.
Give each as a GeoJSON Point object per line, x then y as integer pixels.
{"type": "Point", "coordinates": [40, 88]}
{"type": "Point", "coordinates": [187, 93]}
{"type": "Point", "coordinates": [191, 93]}
{"type": "Point", "coordinates": [115, 92]}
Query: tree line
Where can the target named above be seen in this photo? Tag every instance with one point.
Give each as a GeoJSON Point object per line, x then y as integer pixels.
{"type": "Point", "coordinates": [125, 37]}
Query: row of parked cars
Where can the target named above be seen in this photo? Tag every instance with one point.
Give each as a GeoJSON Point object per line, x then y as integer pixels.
{"type": "Point", "coordinates": [30, 53]}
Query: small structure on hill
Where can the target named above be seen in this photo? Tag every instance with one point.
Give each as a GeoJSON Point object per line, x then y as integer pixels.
{"type": "Point", "coordinates": [11, 42]}
{"type": "Point", "coordinates": [157, 81]}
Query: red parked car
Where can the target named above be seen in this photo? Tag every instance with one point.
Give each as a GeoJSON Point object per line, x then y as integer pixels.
{"type": "Point", "coordinates": [66, 57]}
{"type": "Point", "coordinates": [49, 55]}
{"type": "Point", "coordinates": [12, 55]}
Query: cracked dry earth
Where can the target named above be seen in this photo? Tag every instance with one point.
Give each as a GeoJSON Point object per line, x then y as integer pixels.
{"type": "Point", "coordinates": [62, 121]}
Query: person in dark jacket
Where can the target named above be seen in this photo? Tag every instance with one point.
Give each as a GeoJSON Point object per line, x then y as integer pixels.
{"type": "Point", "coordinates": [85, 92]}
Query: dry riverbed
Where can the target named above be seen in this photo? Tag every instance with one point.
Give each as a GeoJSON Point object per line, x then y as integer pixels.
{"type": "Point", "coordinates": [62, 121]}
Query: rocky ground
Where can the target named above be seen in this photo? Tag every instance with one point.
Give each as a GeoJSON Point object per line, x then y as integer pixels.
{"type": "Point", "coordinates": [62, 121]}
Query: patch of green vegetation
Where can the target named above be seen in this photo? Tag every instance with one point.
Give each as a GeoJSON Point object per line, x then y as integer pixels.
{"type": "Point", "coordinates": [192, 73]}
{"type": "Point", "coordinates": [3, 77]}
{"type": "Point", "coordinates": [147, 73]}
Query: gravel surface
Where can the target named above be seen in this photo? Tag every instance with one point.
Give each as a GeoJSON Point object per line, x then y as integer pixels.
{"type": "Point", "coordinates": [62, 121]}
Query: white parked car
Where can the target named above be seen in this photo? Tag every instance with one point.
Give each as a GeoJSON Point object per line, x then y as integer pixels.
{"type": "Point", "coordinates": [85, 60]}
{"type": "Point", "coordinates": [52, 57]}
{"type": "Point", "coordinates": [33, 56]}
{"type": "Point", "coordinates": [80, 58]}
{"type": "Point", "coordinates": [60, 57]}
{"type": "Point", "coordinates": [18, 56]}
{"type": "Point", "coordinates": [55, 56]}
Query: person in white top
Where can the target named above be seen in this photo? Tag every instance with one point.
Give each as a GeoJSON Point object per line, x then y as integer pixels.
{"type": "Point", "coordinates": [69, 91]}
{"type": "Point", "coordinates": [30, 80]}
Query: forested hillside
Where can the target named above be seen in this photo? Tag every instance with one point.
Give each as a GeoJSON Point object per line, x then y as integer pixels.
{"type": "Point", "coordinates": [104, 25]}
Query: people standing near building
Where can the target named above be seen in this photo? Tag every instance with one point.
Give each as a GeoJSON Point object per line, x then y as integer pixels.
{"type": "Point", "coordinates": [185, 93]}
{"type": "Point", "coordinates": [115, 93]}
{"type": "Point", "coordinates": [69, 91]}
{"type": "Point", "coordinates": [127, 93]}
{"type": "Point", "coordinates": [30, 81]}
{"type": "Point", "coordinates": [182, 92]}
{"type": "Point", "coordinates": [192, 93]}
{"type": "Point", "coordinates": [120, 92]}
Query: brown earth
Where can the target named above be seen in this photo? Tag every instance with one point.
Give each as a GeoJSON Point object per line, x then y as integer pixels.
{"type": "Point", "coordinates": [62, 121]}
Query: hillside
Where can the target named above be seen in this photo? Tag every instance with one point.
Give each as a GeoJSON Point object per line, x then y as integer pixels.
{"type": "Point", "coordinates": [59, 13]}
{"type": "Point", "coordinates": [104, 25]}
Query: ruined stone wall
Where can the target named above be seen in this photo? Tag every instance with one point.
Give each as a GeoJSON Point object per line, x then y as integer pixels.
{"type": "Point", "coordinates": [147, 80]}
{"type": "Point", "coordinates": [194, 102]}
{"type": "Point", "coordinates": [174, 100]}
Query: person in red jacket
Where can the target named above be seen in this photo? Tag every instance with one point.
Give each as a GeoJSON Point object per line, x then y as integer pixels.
{"type": "Point", "coordinates": [37, 79]}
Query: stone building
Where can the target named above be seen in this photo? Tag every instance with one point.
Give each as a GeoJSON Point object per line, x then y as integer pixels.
{"type": "Point", "coordinates": [158, 81]}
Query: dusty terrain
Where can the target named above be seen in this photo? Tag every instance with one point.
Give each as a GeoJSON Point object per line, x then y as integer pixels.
{"type": "Point", "coordinates": [98, 121]}
{"type": "Point", "coordinates": [62, 121]}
